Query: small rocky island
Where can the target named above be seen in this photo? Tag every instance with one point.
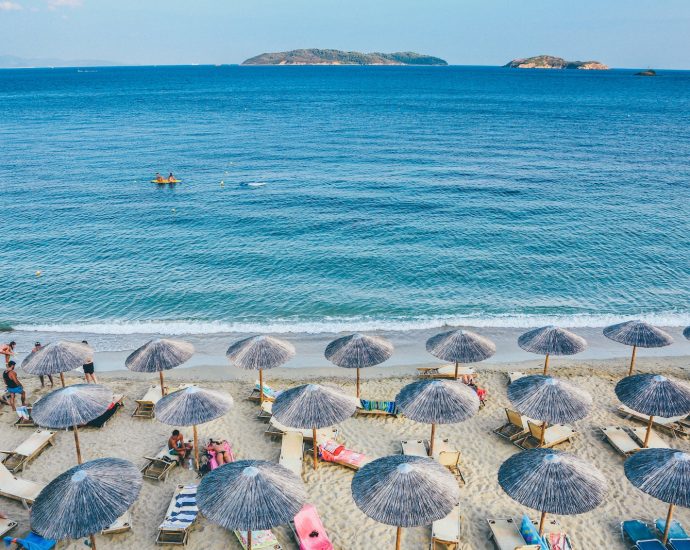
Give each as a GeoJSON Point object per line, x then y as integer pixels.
{"type": "Point", "coordinates": [338, 57]}
{"type": "Point", "coordinates": [648, 72]}
{"type": "Point", "coordinates": [551, 62]}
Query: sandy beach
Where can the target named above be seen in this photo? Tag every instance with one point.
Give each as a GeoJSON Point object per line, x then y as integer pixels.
{"type": "Point", "coordinates": [329, 486]}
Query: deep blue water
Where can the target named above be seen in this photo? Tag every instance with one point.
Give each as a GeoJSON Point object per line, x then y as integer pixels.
{"type": "Point", "coordinates": [393, 197]}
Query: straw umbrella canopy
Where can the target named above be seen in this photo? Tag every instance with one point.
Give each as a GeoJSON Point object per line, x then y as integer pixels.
{"type": "Point", "coordinates": [158, 355]}
{"type": "Point", "coordinates": [405, 491]}
{"type": "Point", "coordinates": [250, 495]}
{"type": "Point", "coordinates": [358, 351]}
{"type": "Point", "coordinates": [192, 406]}
{"type": "Point", "coordinates": [86, 499]}
{"type": "Point", "coordinates": [72, 407]}
{"type": "Point", "coordinates": [663, 474]}
{"type": "Point", "coordinates": [654, 395]}
{"type": "Point", "coordinates": [552, 340]}
{"type": "Point", "coordinates": [551, 400]}
{"type": "Point", "coordinates": [638, 334]}
{"type": "Point", "coordinates": [552, 482]}
{"type": "Point", "coordinates": [259, 353]}
{"type": "Point", "coordinates": [57, 358]}
{"type": "Point", "coordinates": [437, 402]}
{"type": "Point", "coordinates": [460, 346]}
{"type": "Point", "coordinates": [311, 406]}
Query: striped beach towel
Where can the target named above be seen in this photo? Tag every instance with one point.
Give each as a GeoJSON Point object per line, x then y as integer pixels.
{"type": "Point", "coordinates": [185, 511]}
{"type": "Point", "coordinates": [385, 406]}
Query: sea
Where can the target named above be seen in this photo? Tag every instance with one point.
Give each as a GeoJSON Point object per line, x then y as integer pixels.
{"type": "Point", "coordinates": [326, 199]}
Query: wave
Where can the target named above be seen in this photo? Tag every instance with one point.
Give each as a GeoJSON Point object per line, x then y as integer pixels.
{"type": "Point", "coordinates": [342, 324]}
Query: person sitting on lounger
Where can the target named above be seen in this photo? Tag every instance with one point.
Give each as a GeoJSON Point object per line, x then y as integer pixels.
{"type": "Point", "coordinates": [14, 386]}
{"type": "Point", "coordinates": [178, 447]}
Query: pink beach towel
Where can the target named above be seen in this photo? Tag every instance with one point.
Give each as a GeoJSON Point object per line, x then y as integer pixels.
{"type": "Point", "coordinates": [311, 533]}
{"type": "Point", "coordinates": [212, 455]}
{"type": "Point", "coordinates": [332, 451]}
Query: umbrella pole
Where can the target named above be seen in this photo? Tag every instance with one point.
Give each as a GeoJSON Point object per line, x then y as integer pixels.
{"type": "Point", "coordinates": [249, 539]}
{"type": "Point", "coordinates": [431, 441]}
{"type": "Point", "coordinates": [76, 442]}
{"type": "Point", "coordinates": [456, 370]}
{"type": "Point", "coordinates": [358, 383]}
{"type": "Point", "coordinates": [160, 374]}
{"type": "Point", "coordinates": [316, 450]}
{"type": "Point", "coordinates": [632, 361]}
{"type": "Point", "coordinates": [649, 432]}
{"type": "Point", "coordinates": [62, 379]}
{"type": "Point", "coordinates": [398, 537]}
{"type": "Point", "coordinates": [541, 523]}
{"type": "Point", "coordinates": [261, 386]}
{"type": "Point", "coordinates": [543, 434]}
{"type": "Point", "coordinates": [669, 517]}
{"type": "Point", "coordinates": [196, 448]}
{"type": "Point", "coordinates": [93, 541]}
{"type": "Point", "coordinates": [546, 364]}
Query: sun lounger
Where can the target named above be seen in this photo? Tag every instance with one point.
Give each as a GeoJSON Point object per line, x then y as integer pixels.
{"type": "Point", "coordinates": [376, 408]}
{"type": "Point", "coordinates": [292, 452]}
{"type": "Point", "coordinates": [180, 516]}
{"type": "Point", "coordinates": [269, 393]}
{"type": "Point", "coordinates": [445, 533]}
{"type": "Point", "coordinates": [641, 535]}
{"type": "Point", "coordinates": [620, 440]}
{"type": "Point", "coordinates": [24, 419]}
{"type": "Point", "coordinates": [515, 428]}
{"type": "Point", "coordinates": [261, 540]}
{"type": "Point", "coordinates": [276, 429]}
{"type": "Point", "coordinates": [146, 405]}
{"type": "Point", "coordinates": [18, 489]}
{"type": "Point", "coordinates": [673, 424]}
{"type": "Point", "coordinates": [414, 447]}
{"type": "Point", "coordinates": [159, 466]}
{"type": "Point", "coordinates": [31, 541]}
{"type": "Point", "coordinates": [449, 457]}
{"type": "Point", "coordinates": [555, 435]}
{"type": "Point", "coordinates": [515, 375]}
{"type": "Point", "coordinates": [506, 535]}
{"type": "Point", "coordinates": [678, 538]}
{"type": "Point", "coordinates": [444, 371]}
{"type": "Point", "coordinates": [120, 525]}
{"type": "Point", "coordinates": [116, 404]}
{"type": "Point", "coordinates": [655, 442]}
{"type": "Point", "coordinates": [332, 451]}
{"type": "Point", "coordinates": [266, 411]}
{"type": "Point", "coordinates": [309, 531]}
{"type": "Point", "coordinates": [28, 450]}
{"type": "Point", "coordinates": [6, 525]}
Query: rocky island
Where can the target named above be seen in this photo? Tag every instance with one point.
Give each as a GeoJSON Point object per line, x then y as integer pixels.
{"type": "Point", "coordinates": [338, 57]}
{"type": "Point", "coordinates": [551, 62]}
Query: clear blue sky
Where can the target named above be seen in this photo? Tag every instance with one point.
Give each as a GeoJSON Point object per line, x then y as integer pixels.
{"type": "Point", "coordinates": [621, 33]}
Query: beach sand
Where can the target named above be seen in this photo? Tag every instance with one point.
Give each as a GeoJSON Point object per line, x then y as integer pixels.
{"type": "Point", "coordinates": [329, 487]}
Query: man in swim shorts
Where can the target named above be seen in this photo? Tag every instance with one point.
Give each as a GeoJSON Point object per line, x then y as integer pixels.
{"type": "Point", "coordinates": [14, 386]}
{"type": "Point", "coordinates": [178, 447]}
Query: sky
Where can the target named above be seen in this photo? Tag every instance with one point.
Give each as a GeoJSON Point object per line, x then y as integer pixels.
{"type": "Point", "coordinates": [620, 33]}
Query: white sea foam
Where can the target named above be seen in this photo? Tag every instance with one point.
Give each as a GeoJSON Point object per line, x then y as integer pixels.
{"type": "Point", "coordinates": [335, 325]}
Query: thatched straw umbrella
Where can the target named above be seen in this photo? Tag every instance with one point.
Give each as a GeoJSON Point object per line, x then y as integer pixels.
{"type": "Point", "coordinates": [552, 341]}
{"type": "Point", "coordinates": [86, 499]}
{"type": "Point", "coordinates": [548, 399]}
{"type": "Point", "coordinates": [358, 351]}
{"type": "Point", "coordinates": [405, 491]}
{"type": "Point", "coordinates": [663, 474]}
{"type": "Point", "coordinates": [638, 334]}
{"type": "Point", "coordinates": [686, 333]}
{"type": "Point", "coordinates": [552, 482]}
{"type": "Point", "coordinates": [250, 495]}
{"type": "Point", "coordinates": [460, 346]}
{"type": "Point", "coordinates": [57, 358]}
{"type": "Point", "coordinates": [437, 402]}
{"type": "Point", "coordinates": [192, 406]}
{"type": "Point", "coordinates": [654, 395]}
{"type": "Point", "coordinates": [313, 407]}
{"type": "Point", "coordinates": [72, 407]}
{"type": "Point", "coordinates": [259, 353]}
{"type": "Point", "coordinates": [159, 355]}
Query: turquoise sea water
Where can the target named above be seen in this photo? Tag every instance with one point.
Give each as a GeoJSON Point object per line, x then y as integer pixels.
{"type": "Point", "coordinates": [394, 197]}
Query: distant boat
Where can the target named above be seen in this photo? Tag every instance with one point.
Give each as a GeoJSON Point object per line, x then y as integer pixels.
{"type": "Point", "coordinates": [253, 185]}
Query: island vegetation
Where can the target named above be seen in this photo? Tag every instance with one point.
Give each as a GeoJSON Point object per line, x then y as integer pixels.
{"type": "Point", "coordinates": [339, 57]}
{"type": "Point", "coordinates": [551, 62]}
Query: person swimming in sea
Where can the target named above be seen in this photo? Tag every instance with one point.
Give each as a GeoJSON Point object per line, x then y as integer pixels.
{"type": "Point", "coordinates": [171, 178]}
{"type": "Point", "coordinates": [159, 178]}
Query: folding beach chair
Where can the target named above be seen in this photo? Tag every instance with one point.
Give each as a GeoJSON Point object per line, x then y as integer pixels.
{"type": "Point", "coordinates": [639, 534]}
{"type": "Point", "coordinates": [28, 450]}
{"type": "Point", "coordinates": [18, 489]}
{"type": "Point", "coordinates": [449, 457]}
{"type": "Point", "coordinates": [620, 440]}
{"type": "Point", "coordinates": [506, 535]}
{"type": "Point", "coordinates": [655, 441]}
{"type": "Point", "coordinates": [6, 525]}
{"type": "Point", "coordinates": [180, 516]}
{"type": "Point", "coordinates": [147, 404]}
{"type": "Point", "coordinates": [515, 428]}
{"type": "Point", "coordinates": [554, 435]}
{"type": "Point", "coordinates": [445, 533]}
{"type": "Point", "coordinates": [444, 371]}
{"type": "Point", "coordinates": [414, 447]}
{"type": "Point", "coordinates": [159, 466]}
{"type": "Point", "coordinates": [292, 452]}
{"type": "Point", "coordinates": [309, 531]}
{"type": "Point", "coordinates": [120, 525]}
{"type": "Point", "coordinates": [261, 540]}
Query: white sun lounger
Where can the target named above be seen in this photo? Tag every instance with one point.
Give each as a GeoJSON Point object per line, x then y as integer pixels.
{"type": "Point", "coordinates": [147, 404]}
{"type": "Point", "coordinates": [292, 452]}
{"type": "Point", "coordinates": [448, 456]}
{"type": "Point", "coordinates": [445, 371]}
{"type": "Point", "coordinates": [672, 424]}
{"type": "Point", "coordinates": [180, 516]}
{"type": "Point", "coordinates": [120, 525]}
{"type": "Point", "coordinates": [275, 428]}
{"type": "Point", "coordinates": [266, 411]}
{"type": "Point", "coordinates": [18, 489]}
{"type": "Point", "coordinates": [655, 442]}
{"type": "Point", "coordinates": [159, 466]}
{"type": "Point", "coordinates": [445, 533]}
{"type": "Point", "coordinates": [620, 440]}
{"type": "Point", "coordinates": [6, 525]}
{"type": "Point", "coordinates": [414, 447]}
{"type": "Point", "coordinates": [515, 375]}
{"type": "Point", "coordinates": [26, 451]}
{"type": "Point", "coordinates": [506, 535]}
{"type": "Point", "coordinates": [554, 435]}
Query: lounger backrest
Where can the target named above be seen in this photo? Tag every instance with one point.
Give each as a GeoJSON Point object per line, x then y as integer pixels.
{"type": "Point", "coordinates": [535, 430]}
{"type": "Point", "coordinates": [449, 459]}
{"type": "Point", "coordinates": [515, 418]}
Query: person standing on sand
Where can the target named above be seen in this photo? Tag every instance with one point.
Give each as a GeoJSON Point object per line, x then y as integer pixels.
{"type": "Point", "coordinates": [89, 368]}
{"type": "Point", "coordinates": [37, 346]}
{"type": "Point", "coordinates": [8, 350]}
{"type": "Point", "coordinates": [14, 386]}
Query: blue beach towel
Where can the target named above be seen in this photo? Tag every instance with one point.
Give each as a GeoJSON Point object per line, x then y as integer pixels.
{"type": "Point", "coordinates": [385, 406]}
{"type": "Point", "coordinates": [530, 534]}
{"type": "Point", "coordinates": [31, 542]}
